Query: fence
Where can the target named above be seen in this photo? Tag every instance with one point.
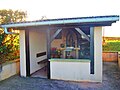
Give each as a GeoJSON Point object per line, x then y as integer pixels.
{"type": "Point", "coordinates": [110, 56]}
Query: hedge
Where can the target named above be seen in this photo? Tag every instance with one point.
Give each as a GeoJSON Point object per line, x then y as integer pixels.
{"type": "Point", "coordinates": [111, 46]}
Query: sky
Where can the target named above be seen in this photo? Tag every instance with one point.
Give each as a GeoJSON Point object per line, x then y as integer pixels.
{"type": "Point", "coordinates": [67, 9]}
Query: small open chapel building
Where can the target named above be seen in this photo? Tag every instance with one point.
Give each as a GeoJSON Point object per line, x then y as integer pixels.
{"type": "Point", "coordinates": [68, 48]}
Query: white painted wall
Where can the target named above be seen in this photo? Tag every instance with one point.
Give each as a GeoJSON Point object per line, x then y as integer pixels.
{"type": "Point", "coordinates": [22, 54]}
{"type": "Point", "coordinates": [75, 71]}
{"type": "Point", "coordinates": [9, 69]}
{"type": "Point", "coordinates": [97, 76]}
{"type": "Point", "coordinates": [37, 41]}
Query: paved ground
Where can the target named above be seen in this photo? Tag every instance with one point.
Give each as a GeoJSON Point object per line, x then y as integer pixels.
{"type": "Point", "coordinates": [111, 81]}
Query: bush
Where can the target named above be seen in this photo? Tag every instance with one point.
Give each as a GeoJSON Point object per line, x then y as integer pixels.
{"type": "Point", "coordinates": [9, 43]}
{"type": "Point", "coordinates": [111, 46]}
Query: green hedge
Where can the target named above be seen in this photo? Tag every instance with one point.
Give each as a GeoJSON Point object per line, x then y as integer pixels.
{"type": "Point", "coordinates": [111, 46]}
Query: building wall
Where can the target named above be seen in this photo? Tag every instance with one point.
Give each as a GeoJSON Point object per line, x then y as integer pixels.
{"type": "Point", "coordinates": [97, 76]}
{"type": "Point", "coordinates": [70, 70]}
{"type": "Point", "coordinates": [22, 54]}
{"type": "Point", "coordinates": [37, 45]}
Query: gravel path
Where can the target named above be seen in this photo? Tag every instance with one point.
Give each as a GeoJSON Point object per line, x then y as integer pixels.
{"type": "Point", "coordinates": [111, 81]}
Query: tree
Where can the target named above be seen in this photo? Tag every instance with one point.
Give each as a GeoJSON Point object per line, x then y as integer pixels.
{"type": "Point", "coordinates": [8, 16]}
{"type": "Point", "coordinates": [9, 43]}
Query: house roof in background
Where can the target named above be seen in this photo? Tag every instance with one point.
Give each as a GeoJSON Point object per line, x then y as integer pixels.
{"type": "Point", "coordinates": [95, 20]}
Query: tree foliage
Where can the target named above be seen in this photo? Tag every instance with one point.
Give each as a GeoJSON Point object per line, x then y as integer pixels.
{"type": "Point", "coordinates": [8, 16]}
{"type": "Point", "coordinates": [9, 43]}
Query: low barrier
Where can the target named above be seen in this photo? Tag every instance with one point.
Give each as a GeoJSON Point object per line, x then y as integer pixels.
{"type": "Point", "coordinates": [119, 59]}
{"type": "Point", "coordinates": [9, 69]}
{"type": "Point", "coordinates": [110, 56]}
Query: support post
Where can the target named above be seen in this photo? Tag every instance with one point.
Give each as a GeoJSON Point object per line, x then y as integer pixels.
{"type": "Point", "coordinates": [92, 50]}
{"type": "Point", "coordinates": [56, 33]}
{"type": "Point", "coordinates": [27, 52]}
{"type": "Point", "coordinates": [82, 33]}
{"type": "Point", "coordinates": [48, 52]}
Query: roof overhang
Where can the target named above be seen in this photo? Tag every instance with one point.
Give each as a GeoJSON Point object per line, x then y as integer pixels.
{"type": "Point", "coordinates": [88, 21]}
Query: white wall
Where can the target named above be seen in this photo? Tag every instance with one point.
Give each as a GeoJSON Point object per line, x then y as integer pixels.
{"type": "Point", "coordinates": [97, 76]}
{"type": "Point", "coordinates": [9, 69]}
{"type": "Point", "coordinates": [75, 71]}
{"type": "Point", "coordinates": [22, 54]}
{"type": "Point", "coordinates": [37, 40]}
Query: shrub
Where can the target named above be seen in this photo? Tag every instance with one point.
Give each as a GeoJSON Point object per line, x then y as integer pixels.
{"type": "Point", "coordinates": [111, 46]}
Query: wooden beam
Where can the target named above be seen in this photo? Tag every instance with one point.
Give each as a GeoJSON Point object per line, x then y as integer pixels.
{"type": "Point", "coordinates": [27, 53]}
{"type": "Point", "coordinates": [48, 51]}
{"type": "Point", "coordinates": [55, 34]}
{"type": "Point", "coordinates": [82, 33]}
{"type": "Point", "coordinates": [92, 50]}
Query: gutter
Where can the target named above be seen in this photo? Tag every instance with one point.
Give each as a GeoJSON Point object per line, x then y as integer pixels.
{"type": "Point", "coordinates": [7, 32]}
